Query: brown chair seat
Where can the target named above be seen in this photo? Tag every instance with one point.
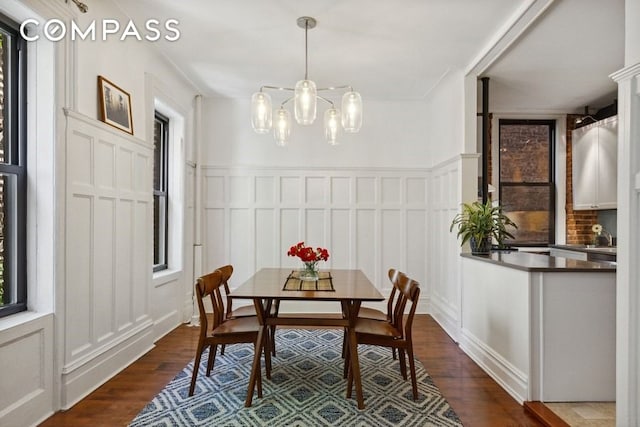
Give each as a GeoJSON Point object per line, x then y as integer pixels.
{"type": "Point", "coordinates": [376, 327]}
{"type": "Point", "coordinates": [241, 325]}
{"type": "Point", "coordinates": [372, 313]}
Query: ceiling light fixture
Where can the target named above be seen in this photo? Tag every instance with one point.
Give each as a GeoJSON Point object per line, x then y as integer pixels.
{"type": "Point", "coordinates": [582, 119]}
{"type": "Point", "coordinates": [83, 7]}
{"type": "Point", "coordinates": [305, 98]}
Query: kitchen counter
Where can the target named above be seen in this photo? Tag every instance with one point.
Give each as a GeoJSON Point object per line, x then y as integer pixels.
{"type": "Point", "coordinates": [539, 324]}
{"type": "Point", "coordinates": [543, 263]}
{"type": "Point", "coordinates": [597, 253]}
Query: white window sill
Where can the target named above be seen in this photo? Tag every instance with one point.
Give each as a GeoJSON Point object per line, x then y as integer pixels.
{"type": "Point", "coordinates": [20, 319]}
{"type": "Point", "coordinates": [163, 277]}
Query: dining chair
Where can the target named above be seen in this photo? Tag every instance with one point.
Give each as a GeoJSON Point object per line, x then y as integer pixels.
{"type": "Point", "coordinates": [375, 314]}
{"type": "Point", "coordinates": [394, 334]}
{"type": "Point", "coordinates": [245, 310]}
{"type": "Point", "coordinates": [222, 330]}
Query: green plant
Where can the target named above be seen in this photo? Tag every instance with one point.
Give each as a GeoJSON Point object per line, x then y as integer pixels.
{"type": "Point", "coordinates": [482, 221]}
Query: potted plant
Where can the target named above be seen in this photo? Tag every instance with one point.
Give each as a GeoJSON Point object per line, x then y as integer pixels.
{"type": "Point", "coordinates": [479, 222]}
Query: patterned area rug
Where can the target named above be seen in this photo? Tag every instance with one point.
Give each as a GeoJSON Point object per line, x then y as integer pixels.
{"type": "Point", "coordinates": [306, 389]}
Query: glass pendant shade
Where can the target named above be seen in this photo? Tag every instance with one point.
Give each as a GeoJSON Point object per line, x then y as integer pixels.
{"type": "Point", "coordinates": [261, 117]}
{"type": "Point", "coordinates": [331, 125]}
{"type": "Point", "coordinates": [282, 128]}
{"type": "Point", "coordinates": [305, 101]}
{"type": "Point", "coordinates": [351, 112]}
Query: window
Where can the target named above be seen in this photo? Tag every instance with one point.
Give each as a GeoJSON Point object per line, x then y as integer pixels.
{"type": "Point", "coordinates": [13, 173]}
{"type": "Point", "coordinates": [527, 179]}
{"type": "Point", "coordinates": [160, 191]}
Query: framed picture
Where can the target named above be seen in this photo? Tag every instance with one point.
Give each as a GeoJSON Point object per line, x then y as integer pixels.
{"type": "Point", "coordinates": [115, 105]}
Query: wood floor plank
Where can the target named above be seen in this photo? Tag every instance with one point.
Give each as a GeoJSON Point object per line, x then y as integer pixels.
{"type": "Point", "coordinates": [473, 395]}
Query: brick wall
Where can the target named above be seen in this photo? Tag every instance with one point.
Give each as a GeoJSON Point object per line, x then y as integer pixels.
{"type": "Point", "coordinates": [578, 222]}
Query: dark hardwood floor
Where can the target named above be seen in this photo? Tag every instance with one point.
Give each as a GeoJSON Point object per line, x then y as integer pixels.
{"type": "Point", "coordinates": [475, 397]}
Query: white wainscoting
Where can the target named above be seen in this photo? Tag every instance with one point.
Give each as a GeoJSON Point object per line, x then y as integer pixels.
{"type": "Point", "coordinates": [369, 219]}
{"type": "Point", "coordinates": [26, 355]}
{"type": "Point", "coordinates": [443, 246]}
{"type": "Point", "coordinates": [108, 234]}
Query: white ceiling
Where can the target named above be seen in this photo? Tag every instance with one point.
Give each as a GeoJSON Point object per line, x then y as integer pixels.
{"type": "Point", "coordinates": [394, 49]}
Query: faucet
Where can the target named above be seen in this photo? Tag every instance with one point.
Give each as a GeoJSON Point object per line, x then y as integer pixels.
{"type": "Point", "coordinates": [608, 237]}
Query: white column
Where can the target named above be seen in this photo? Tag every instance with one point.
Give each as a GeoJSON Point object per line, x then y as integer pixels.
{"type": "Point", "coordinates": [628, 294]}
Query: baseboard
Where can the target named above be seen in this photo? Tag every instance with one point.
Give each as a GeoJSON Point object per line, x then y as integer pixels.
{"type": "Point", "coordinates": [166, 324]}
{"type": "Point", "coordinates": [446, 320]}
{"type": "Point", "coordinates": [78, 383]}
{"type": "Point", "coordinates": [514, 381]}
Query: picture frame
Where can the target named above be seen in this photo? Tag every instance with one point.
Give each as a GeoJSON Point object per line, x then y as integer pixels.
{"type": "Point", "coordinates": [115, 105]}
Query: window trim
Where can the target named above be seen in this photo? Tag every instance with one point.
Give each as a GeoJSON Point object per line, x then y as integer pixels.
{"type": "Point", "coordinates": [17, 164]}
{"type": "Point", "coordinates": [551, 124]}
{"type": "Point", "coordinates": [163, 191]}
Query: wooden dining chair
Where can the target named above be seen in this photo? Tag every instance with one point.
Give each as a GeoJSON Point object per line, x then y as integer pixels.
{"type": "Point", "coordinates": [394, 334]}
{"type": "Point", "coordinates": [375, 314]}
{"type": "Point", "coordinates": [245, 310]}
{"type": "Point", "coordinates": [222, 330]}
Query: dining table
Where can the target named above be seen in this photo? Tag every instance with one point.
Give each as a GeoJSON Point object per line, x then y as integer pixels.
{"type": "Point", "coordinates": [269, 286]}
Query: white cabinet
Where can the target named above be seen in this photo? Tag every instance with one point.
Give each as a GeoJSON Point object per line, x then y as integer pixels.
{"type": "Point", "coordinates": [595, 160]}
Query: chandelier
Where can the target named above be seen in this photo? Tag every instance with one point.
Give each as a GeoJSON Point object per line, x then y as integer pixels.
{"type": "Point", "coordinates": [305, 98]}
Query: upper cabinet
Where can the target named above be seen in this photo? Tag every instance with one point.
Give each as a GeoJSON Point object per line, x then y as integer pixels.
{"type": "Point", "coordinates": [595, 165]}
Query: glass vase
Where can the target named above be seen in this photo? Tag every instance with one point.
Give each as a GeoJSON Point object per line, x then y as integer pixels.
{"type": "Point", "coordinates": [310, 271]}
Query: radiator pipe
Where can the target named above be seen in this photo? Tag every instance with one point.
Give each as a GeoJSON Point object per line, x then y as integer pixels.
{"type": "Point", "coordinates": [485, 139]}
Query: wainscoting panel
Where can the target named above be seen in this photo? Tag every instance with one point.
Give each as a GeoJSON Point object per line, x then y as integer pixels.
{"type": "Point", "coordinates": [444, 262]}
{"type": "Point", "coordinates": [370, 219]}
{"type": "Point", "coordinates": [108, 225]}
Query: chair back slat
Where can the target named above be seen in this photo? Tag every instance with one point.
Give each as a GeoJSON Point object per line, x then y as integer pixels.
{"type": "Point", "coordinates": [393, 277]}
{"type": "Point", "coordinates": [208, 286]}
{"type": "Point", "coordinates": [409, 291]}
{"type": "Point", "coordinates": [227, 271]}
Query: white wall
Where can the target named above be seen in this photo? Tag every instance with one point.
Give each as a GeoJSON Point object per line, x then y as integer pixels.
{"type": "Point", "coordinates": [100, 314]}
{"type": "Point", "coordinates": [369, 219]}
{"type": "Point", "coordinates": [632, 32]}
{"type": "Point", "coordinates": [445, 118]}
{"type": "Point", "coordinates": [392, 135]}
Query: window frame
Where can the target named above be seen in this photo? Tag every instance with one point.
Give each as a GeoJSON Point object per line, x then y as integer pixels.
{"type": "Point", "coordinates": [163, 190]}
{"type": "Point", "coordinates": [16, 165]}
{"type": "Point", "coordinates": [551, 183]}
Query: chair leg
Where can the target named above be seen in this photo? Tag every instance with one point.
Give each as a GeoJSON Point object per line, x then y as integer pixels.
{"type": "Point", "coordinates": [273, 340]}
{"type": "Point", "coordinates": [393, 352]}
{"type": "Point", "coordinates": [212, 358]}
{"type": "Point", "coordinates": [347, 360]}
{"type": "Point", "coordinates": [196, 366]}
{"type": "Point", "coordinates": [344, 343]}
{"type": "Point", "coordinates": [267, 353]}
{"type": "Point", "coordinates": [259, 378]}
{"type": "Point", "coordinates": [222, 349]}
{"type": "Point", "coordinates": [412, 369]}
{"type": "Point", "coordinates": [403, 363]}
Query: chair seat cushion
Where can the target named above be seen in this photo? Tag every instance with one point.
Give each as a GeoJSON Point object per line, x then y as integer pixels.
{"type": "Point", "coordinates": [237, 326]}
{"type": "Point", "coordinates": [372, 313]}
{"type": "Point", "coordinates": [376, 327]}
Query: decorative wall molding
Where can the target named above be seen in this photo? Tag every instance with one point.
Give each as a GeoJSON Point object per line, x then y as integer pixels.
{"type": "Point", "coordinates": [106, 319]}
{"type": "Point", "coordinates": [514, 381]}
{"type": "Point", "coordinates": [444, 269]}
{"type": "Point", "coordinates": [370, 218]}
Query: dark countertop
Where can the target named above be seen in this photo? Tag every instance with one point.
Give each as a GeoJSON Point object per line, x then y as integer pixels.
{"type": "Point", "coordinates": [603, 250]}
{"type": "Point", "coordinates": [542, 263]}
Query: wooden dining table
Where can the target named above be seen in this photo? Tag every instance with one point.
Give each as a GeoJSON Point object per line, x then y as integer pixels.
{"type": "Point", "coordinates": [269, 286]}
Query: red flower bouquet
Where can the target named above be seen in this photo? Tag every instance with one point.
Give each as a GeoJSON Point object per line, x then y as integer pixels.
{"type": "Point", "coordinates": [310, 257]}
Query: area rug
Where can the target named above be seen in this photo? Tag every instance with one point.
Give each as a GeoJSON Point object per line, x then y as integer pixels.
{"type": "Point", "coordinates": [306, 389]}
